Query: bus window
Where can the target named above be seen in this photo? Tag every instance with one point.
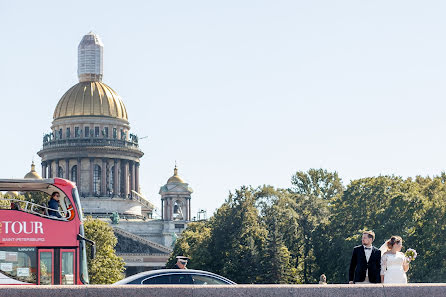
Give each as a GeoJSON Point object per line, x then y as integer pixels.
{"type": "Point", "coordinates": [46, 259]}
{"type": "Point", "coordinates": [37, 203]}
{"type": "Point", "coordinates": [19, 263]}
{"type": "Point", "coordinates": [67, 267]}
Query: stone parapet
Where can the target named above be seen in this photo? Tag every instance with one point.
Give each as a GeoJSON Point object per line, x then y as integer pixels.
{"type": "Point", "coordinates": [410, 290]}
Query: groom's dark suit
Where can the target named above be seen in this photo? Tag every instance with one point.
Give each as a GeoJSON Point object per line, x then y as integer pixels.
{"type": "Point", "coordinates": [359, 265]}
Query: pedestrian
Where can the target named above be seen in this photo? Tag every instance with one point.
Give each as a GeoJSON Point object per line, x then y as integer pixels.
{"type": "Point", "coordinates": [365, 265]}
{"type": "Point", "coordinates": [181, 262]}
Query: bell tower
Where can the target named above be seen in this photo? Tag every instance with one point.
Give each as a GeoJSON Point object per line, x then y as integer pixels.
{"type": "Point", "coordinates": [175, 199]}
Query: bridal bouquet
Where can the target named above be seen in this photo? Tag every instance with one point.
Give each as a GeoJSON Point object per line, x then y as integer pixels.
{"type": "Point", "coordinates": [411, 254]}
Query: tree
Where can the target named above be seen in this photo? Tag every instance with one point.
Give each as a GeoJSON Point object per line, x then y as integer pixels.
{"type": "Point", "coordinates": [194, 243]}
{"type": "Point", "coordinates": [312, 194]}
{"type": "Point", "coordinates": [318, 183]}
{"type": "Point", "coordinates": [107, 267]}
{"type": "Point", "coordinates": [237, 238]}
{"type": "Point", "coordinates": [430, 231]}
{"type": "Point", "coordinates": [276, 264]}
{"type": "Point", "coordinates": [388, 205]}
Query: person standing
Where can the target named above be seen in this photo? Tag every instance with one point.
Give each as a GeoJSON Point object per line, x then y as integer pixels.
{"type": "Point", "coordinates": [53, 205]}
{"type": "Point", "coordinates": [181, 262]}
{"type": "Point", "coordinates": [365, 265]}
{"type": "Point", "coordinates": [394, 264]}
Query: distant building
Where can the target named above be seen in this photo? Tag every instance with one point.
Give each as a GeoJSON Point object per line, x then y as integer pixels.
{"type": "Point", "coordinates": [90, 143]}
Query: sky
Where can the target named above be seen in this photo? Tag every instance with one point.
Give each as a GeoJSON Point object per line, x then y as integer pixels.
{"type": "Point", "coordinates": [239, 92]}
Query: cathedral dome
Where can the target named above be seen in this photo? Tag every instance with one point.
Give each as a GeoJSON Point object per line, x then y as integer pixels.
{"type": "Point", "coordinates": [32, 174]}
{"type": "Point", "coordinates": [175, 179]}
{"type": "Point", "coordinates": [90, 98]}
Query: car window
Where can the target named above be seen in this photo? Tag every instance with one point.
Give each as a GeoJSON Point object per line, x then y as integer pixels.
{"type": "Point", "coordinates": [207, 280]}
{"type": "Point", "coordinates": [169, 279]}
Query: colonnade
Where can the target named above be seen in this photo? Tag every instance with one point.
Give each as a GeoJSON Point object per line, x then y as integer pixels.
{"type": "Point", "coordinates": [167, 208]}
{"type": "Point", "coordinates": [114, 177]}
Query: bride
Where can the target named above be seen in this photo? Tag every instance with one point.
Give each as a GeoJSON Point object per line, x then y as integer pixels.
{"type": "Point", "coordinates": [394, 264]}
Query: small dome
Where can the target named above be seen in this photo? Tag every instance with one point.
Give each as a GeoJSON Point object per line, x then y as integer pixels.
{"type": "Point", "coordinates": [90, 98]}
{"type": "Point", "coordinates": [175, 179]}
{"type": "Point", "coordinates": [33, 174]}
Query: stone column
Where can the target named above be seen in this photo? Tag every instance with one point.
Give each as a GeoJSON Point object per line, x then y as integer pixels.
{"type": "Point", "coordinates": [162, 209]}
{"type": "Point", "coordinates": [126, 178]}
{"type": "Point", "coordinates": [91, 177]}
{"type": "Point", "coordinates": [50, 169]}
{"type": "Point", "coordinates": [67, 168]}
{"type": "Point", "coordinates": [133, 172]}
{"type": "Point", "coordinates": [43, 169]}
{"type": "Point", "coordinates": [115, 181]}
{"type": "Point", "coordinates": [188, 209]}
{"type": "Point", "coordinates": [137, 177]}
{"type": "Point", "coordinates": [78, 173]}
{"type": "Point", "coordinates": [170, 210]}
{"type": "Point", "coordinates": [104, 177]}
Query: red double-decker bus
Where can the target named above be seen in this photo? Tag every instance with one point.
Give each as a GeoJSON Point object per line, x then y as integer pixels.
{"type": "Point", "coordinates": [41, 245]}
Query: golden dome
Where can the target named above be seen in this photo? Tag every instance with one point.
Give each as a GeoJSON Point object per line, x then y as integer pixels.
{"type": "Point", "coordinates": [33, 174]}
{"type": "Point", "coordinates": [90, 98]}
{"type": "Point", "coordinates": [175, 179]}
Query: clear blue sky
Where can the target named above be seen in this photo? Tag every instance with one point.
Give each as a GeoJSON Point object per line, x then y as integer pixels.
{"type": "Point", "coordinates": [239, 92]}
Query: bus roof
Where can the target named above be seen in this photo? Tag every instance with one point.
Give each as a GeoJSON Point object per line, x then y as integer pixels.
{"type": "Point", "coordinates": [32, 184]}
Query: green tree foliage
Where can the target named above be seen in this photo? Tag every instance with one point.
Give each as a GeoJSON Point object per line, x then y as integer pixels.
{"type": "Point", "coordinates": [237, 238]}
{"type": "Point", "coordinates": [430, 233]}
{"type": "Point", "coordinates": [268, 235]}
{"type": "Point", "coordinates": [194, 241]}
{"type": "Point", "coordinates": [312, 193]}
{"type": "Point", "coordinates": [387, 205]}
{"type": "Point", "coordinates": [107, 267]}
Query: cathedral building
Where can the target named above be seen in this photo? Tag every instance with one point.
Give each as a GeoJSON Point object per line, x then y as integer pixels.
{"type": "Point", "coordinates": [90, 143]}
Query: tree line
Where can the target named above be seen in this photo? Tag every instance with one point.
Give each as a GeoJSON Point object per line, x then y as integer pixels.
{"type": "Point", "coordinates": [270, 235]}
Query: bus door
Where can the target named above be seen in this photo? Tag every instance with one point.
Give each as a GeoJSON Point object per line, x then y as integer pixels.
{"type": "Point", "coordinates": [67, 267]}
{"type": "Point", "coordinates": [56, 267]}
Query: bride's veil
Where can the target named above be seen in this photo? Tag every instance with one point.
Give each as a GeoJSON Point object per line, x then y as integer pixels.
{"type": "Point", "coordinates": [384, 248]}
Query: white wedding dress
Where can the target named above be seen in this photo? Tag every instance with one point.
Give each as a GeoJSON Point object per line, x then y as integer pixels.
{"type": "Point", "coordinates": [392, 268]}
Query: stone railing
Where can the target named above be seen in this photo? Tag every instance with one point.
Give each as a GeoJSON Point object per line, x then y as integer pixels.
{"type": "Point", "coordinates": [411, 290]}
{"type": "Point", "coordinates": [90, 141]}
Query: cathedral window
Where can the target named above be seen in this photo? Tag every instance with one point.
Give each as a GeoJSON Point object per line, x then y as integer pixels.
{"type": "Point", "coordinates": [60, 172]}
{"type": "Point", "coordinates": [74, 173]}
{"type": "Point", "coordinates": [87, 131]}
{"type": "Point", "coordinates": [97, 180]}
{"type": "Point", "coordinates": [96, 131]}
{"type": "Point", "coordinates": [115, 133]}
{"type": "Point", "coordinates": [76, 132]}
{"type": "Point", "coordinates": [60, 133]}
{"type": "Point", "coordinates": [105, 132]}
{"type": "Point", "coordinates": [68, 133]}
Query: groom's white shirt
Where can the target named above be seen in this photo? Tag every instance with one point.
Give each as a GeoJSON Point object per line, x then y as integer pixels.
{"type": "Point", "coordinates": [368, 252]}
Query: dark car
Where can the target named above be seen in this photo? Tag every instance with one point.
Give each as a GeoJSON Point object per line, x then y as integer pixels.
{"type": "Point", "coordinates": [175, 277]}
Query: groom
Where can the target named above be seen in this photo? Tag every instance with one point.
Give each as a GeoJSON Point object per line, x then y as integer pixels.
{"type": "Point", "coordinates": [365, 265]}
